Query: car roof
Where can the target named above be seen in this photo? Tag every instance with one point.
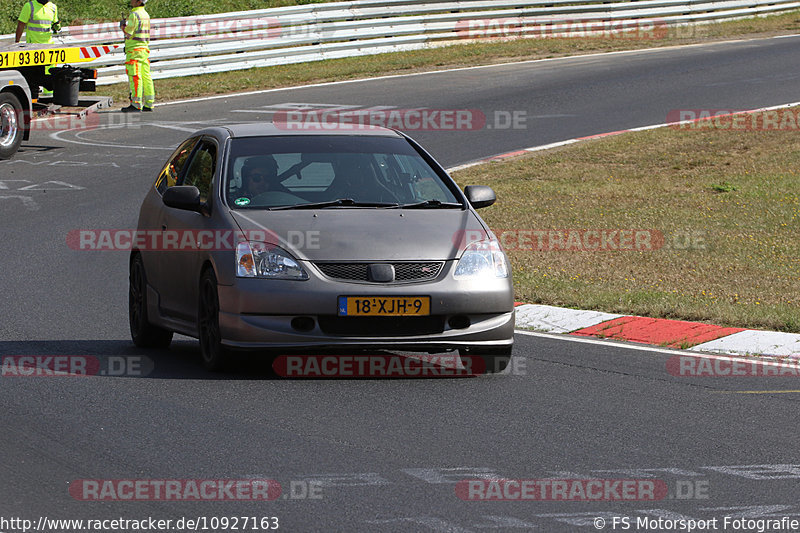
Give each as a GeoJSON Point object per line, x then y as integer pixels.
{"type": "Point", "coordinates": [268, 129]}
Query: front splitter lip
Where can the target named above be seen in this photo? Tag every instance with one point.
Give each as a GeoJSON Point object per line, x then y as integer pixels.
{"type": "Point", "coordinates": [276, 332]}
{"type": "Point", "coordinates": [370, 344]}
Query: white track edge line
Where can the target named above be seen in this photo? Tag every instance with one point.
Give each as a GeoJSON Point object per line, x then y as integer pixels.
{"type": "Point", "coordinates": [666, 351]}
{"type": "Point", "coordinates": [598, 136]}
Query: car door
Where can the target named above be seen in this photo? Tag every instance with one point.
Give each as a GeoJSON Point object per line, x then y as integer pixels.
{"type": "Point", "coordinates": [151, 215]}
{"type": "Point", "coordinates": [182, 256]}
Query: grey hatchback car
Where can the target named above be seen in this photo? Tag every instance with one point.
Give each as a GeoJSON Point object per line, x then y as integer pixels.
{"type": "Point", "coordinates": [258, 238]}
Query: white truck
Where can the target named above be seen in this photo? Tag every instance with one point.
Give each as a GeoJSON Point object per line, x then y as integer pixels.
{"type": "Point", "coordinates": [22, 72]}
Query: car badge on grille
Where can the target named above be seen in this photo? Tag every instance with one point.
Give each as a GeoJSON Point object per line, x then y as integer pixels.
{"type": "Point", "coordinates": [381, 273]}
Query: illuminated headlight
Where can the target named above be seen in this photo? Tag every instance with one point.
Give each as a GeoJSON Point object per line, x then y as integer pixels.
{"type": "Point", "coordinates": [262, 260]}
{"type": "Point", "coordinates": [484, 259]}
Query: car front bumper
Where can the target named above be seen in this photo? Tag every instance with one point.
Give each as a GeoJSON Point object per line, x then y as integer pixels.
{"type": "Point", "coordinates": [257, 313]}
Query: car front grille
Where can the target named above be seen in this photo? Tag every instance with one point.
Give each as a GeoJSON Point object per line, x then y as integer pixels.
{"type": "Point", "coordinates": [404, 271]}
{"type": "Point", "coordinates": [379, 326]}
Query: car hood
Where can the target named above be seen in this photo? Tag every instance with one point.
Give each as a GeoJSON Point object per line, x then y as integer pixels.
{"type": "Point", "coordinates": [353, 234]}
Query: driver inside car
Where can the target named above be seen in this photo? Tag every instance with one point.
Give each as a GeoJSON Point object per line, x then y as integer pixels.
{"type": "Point", "coordinates": [260, 175]}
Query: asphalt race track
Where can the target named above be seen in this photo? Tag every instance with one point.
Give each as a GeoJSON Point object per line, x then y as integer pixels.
{"type": "Point", "coordinates": [377, 455]}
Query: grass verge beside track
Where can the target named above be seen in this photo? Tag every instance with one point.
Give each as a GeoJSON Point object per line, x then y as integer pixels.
{"type": "Point", "coordinates": [727, 203]}
{"type": "Point", "coordinates": [459, 55]}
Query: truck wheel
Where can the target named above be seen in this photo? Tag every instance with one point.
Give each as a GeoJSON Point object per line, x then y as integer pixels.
{"type": "Point", "coordinates": [11, 125]}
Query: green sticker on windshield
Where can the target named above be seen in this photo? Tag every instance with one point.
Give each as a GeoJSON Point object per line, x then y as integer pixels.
{"type": "Point", "coordinates": [242, 201]}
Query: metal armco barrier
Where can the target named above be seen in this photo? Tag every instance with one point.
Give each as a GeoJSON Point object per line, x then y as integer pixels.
{"type": "Point", "coordinates": [295, 34]}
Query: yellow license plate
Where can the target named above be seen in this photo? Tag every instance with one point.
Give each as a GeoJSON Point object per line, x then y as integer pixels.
{"type": "Point", "coordinates": [384, 306]}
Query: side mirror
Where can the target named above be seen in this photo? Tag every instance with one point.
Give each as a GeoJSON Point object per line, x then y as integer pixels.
{"type": "Point", "coordinates": [186, 197]}
{"type": "Point", "coordinates": [480, 195]}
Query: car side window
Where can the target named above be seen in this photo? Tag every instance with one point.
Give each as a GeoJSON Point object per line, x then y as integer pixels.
{"type": "Point", "coordinates": [172, 171]}
{"type": "Point", "coordinates": [201, 169]}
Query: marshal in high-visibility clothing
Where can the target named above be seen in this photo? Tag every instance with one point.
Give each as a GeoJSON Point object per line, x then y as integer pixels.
{"type": "Point", "coordinates": [137, 58]}
{"type": "Point", "coordinates": [38, 19]}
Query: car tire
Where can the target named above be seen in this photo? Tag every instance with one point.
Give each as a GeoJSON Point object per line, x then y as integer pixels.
{"type": "Point", "coordinates": [494, 360]}
{"type": "Point", "coordinates": [214, 354]}
{"type": "Point", "coordinates": [12, 125]}
{"type": "Point", "coordinates": [143, 333]}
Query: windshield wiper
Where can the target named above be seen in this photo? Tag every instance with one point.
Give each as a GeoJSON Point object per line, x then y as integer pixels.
{"type": "Point", "coordinates": [433, 204]}
{"type": "Point", "coordinates": [341, 202]}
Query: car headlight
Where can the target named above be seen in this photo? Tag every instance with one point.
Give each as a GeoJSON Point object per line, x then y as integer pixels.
{"type": "Point", "coordinates": [263, 260]}
{"type": "Point", "coordinates": [483, 259]}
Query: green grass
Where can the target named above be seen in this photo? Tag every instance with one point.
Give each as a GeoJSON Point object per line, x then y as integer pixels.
{"type": "Point", "coordinates": [74, 12]}
{"type": "Point", "coordinates": [731, 258]}
{"type": "Point", "coordinates": [723, 187]}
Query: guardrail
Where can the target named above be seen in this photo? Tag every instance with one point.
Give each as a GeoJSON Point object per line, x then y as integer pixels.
{"type": "Point", "coordinates": [311, 32]}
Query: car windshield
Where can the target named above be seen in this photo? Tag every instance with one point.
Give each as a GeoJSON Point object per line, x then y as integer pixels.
{"type": "Point", "coordinates": [332, 171]}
